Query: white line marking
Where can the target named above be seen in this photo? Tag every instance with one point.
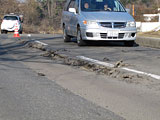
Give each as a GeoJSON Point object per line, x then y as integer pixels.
{"type": "Point", "coordinates": [29, 35]}
{"type": "Point", "coordinates": [96, 61]}
{"type": "Point", "coordinates": [41, 43]}
{"type": "Point", "coordinates": [123, 68]}
{"type": "Point", "coordinates": [143, 73]}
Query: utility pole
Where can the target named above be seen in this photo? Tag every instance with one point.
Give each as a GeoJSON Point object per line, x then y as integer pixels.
{"type": "Point", "coordinates": [133, 8]}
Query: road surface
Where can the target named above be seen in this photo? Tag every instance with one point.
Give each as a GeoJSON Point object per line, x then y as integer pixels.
{"type": "Point", "coordinates": [37, 87]}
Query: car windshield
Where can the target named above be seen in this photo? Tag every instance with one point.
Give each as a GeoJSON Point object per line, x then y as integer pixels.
{"type": "Point", "coordinates": [102, 5]}
{"type": "Point", "coordinates": [10, 18]}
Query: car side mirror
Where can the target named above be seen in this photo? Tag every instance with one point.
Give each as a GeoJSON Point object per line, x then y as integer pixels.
{"type": "Point", "coordinates": [21, 21]}
{"type": "Point", "coordinates": [21, 18]}
{"type": "Point", "coordinates": [73, 10]}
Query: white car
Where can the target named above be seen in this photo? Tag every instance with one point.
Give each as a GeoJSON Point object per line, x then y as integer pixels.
{"type": "Point", "coordinates": [97, 20]}
{"type": "Point", "coordinates": [9, 22]}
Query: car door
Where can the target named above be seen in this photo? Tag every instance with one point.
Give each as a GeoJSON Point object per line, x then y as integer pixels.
{"type": "Point", "coordinates": [71, 24]}
{"type": "Point", "coordinates": [74, 19]}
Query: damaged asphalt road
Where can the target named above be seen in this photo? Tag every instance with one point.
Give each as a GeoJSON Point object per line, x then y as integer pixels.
{"type": "Point", "coordinates": [26, 94]}
{"type": "Point", "coordinates": [97, 73]}
{"type": "Point", "coordinates": [126, 62]}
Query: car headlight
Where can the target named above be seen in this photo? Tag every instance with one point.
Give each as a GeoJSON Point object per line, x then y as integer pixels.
{"type": "Point", "coordinates": [131, 24]}
{"type": "Point", "coordinates": [91, 23]}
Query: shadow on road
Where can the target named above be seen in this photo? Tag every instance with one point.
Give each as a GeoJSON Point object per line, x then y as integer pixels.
{"type": "Point", "coordinates": [12, 51]}
{"type": "Point", "coordinates": [105, 43]}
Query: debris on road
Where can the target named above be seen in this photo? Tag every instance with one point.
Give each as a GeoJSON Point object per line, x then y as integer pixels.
{"type": "Point", "coordinates": [106, 59]}
{"type": "Point", "coordinates": [115, 72]}
{"type": "Point", "coordinates": [118, 64]}
{"type": "Point", "coordinates": [41, 74]}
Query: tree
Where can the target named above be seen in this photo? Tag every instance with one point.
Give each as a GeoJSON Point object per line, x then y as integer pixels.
{"type": "Point", "coordinates": [9, 6]}
{"type": "Point", "coordinates": [32, 12]}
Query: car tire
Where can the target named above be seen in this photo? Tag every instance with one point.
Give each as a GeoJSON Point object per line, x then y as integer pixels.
{"type": "Point", "coordinates": [80, 41]}
{"type": "Point", "coordinates": [66, 37]}
{"type": "Point", "coordinates": [129, 43]}
{"type": "Point", "coordinates": [2, 32]}
{"type": "Point", "coordinates": [5, 32]}
{"type": "Point", "coordinates": [20, 32]}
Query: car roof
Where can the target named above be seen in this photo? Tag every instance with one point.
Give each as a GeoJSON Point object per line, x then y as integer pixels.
{"type": "Point", "coordinates": [11, 15]}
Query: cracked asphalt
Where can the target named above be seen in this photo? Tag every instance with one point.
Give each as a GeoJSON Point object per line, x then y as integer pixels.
{"type": "Point", "coordinates": [35, 86]}
{"type": "Point", "coordinates": [28, 95]}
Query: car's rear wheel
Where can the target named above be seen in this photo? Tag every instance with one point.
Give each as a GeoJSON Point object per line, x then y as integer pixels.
{"type": "Point", "coordinates": [3, 32]}
{"type": "Point", "coordinates": [80, 41]}
{"type": "Point", "coordinates": [129, 43]}
{"type": "Point", "coordinates": [66, 37]}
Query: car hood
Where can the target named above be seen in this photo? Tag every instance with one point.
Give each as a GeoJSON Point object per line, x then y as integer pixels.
{"type": "Point", "coordinates": [108, 16]}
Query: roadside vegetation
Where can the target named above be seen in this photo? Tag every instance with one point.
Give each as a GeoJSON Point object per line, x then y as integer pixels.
{"type": "Point", "coordinates": [44, 16]}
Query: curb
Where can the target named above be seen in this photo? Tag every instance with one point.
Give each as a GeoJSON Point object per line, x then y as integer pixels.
{"type": "Point", "coordinates": [148, 41]}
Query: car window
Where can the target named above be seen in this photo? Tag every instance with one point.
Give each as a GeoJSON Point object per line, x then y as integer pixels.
{"type": "Point", "coordinates": [102, 5]}
{"type": "Point", "coordinates": [71, 5]}
{"type": "Point", "coordinates": [10, 18]}
{"type": "Point", "coordinates": [118, 7]}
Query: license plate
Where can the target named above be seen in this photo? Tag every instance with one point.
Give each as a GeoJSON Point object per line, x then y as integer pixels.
{"type": "Point", "coordinates": [112, 34]}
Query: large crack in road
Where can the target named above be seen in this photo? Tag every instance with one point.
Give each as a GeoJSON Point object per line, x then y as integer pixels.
{"type": "Point", "coordinates": [115, 72]}
{"type": "Point", "coordinates": [117, 90]}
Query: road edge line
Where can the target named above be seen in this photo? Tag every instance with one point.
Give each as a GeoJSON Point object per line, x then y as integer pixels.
{"type": "Point", "coordinates": [123, 68]}
{"type": "Point", "coordinates": [41, 43]}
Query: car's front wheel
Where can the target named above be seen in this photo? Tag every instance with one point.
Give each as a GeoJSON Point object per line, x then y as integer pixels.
{"type": "Point", "coordinates": [20, 32]}
{"type": "Point", "coordinates": [80, 41]}
{"type": "Point", "coordinates": [66, 37]}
